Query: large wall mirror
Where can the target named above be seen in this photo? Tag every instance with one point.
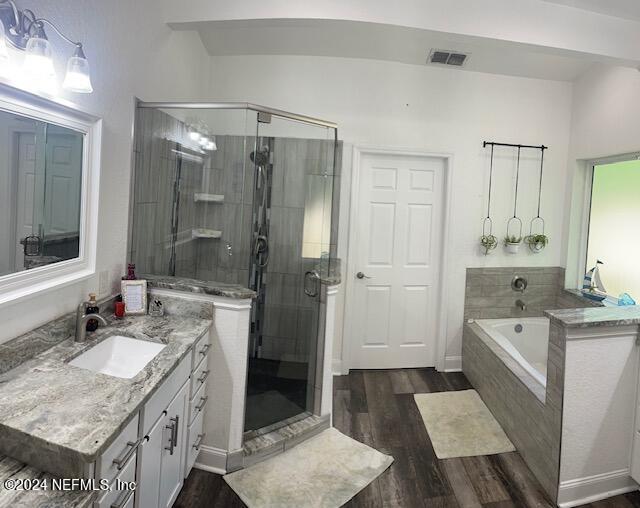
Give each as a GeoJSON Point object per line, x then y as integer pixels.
{"type": "Point", "coordinates": [40, 193]}
{"type": "Point", "coordinates": [49, 168]}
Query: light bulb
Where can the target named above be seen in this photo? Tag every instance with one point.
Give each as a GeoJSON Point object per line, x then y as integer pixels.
{"type": "Point", "coordinates": [204, 140]}
{"type": "Point", "coordinates": [194, 135]}
{"type": "Point", "coordinates": [4, 53]}
{"type": "Point", "coordinates": [78, 77]}
{"type": "Point", "coordinates": [210, 146]}
{"type": "Point", "coordinates": [39, 72]}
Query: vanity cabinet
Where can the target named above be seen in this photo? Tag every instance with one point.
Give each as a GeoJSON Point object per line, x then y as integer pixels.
{"type": "Point", "coordinates": [159, 446]}
{"type": "Point", "coordinates": [173, 445]}
{"type": "Point", "coordinates": [167, 423]}
{"type": "Point", "coordinates": [197, 401]}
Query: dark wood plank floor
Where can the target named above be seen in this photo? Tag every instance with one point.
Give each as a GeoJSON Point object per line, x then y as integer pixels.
{"type": "Point", "coordinates": [377, 408]}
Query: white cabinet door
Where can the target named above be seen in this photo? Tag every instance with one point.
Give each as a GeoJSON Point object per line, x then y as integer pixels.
{"type": "Point", "coordinates": [172, 449]}
{"type": "Point", "coordinates": [149, 470]}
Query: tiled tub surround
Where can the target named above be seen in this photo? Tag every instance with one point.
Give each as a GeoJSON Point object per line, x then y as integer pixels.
{"type": "Point", "coordinates": [59, 418]}
{"type": "Point", "coordinates": [587, 404]}
{"type": "Point", "coordinates": [532, 424]}
{"type": "Point", "coordinates": [489, 294]}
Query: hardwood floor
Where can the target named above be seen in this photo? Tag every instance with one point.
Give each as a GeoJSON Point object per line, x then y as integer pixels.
{"type": "Point", "coordinates": [377, 408]}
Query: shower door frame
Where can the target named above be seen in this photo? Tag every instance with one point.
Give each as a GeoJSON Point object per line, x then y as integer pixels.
{"type": "Point", "coordinates": [278, 113]}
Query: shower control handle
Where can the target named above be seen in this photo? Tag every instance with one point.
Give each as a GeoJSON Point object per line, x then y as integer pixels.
{"type": "Point", "coordinates": [361, 275]}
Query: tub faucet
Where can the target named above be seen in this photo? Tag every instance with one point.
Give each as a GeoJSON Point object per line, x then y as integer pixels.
{"type": "Point", "coordinates": [81, 322]}
{"type": "Point", "coordinates": [521, 305]}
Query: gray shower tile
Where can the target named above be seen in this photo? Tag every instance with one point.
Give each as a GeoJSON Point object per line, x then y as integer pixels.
{"type": "Point", "coordinates": [280, 320]}
{"type": "Point", "coordinates": [286, 239]}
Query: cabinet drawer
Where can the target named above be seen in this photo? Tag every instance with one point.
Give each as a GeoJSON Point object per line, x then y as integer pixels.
{"type": "Point", "coordinates": [200, 350]}
{"type": "Point", "coordinates": [120, 496]}
{"type": "Point", "coordinates": [112, 461]}
{"type": "Point", "coordinates": [194, 440]}
{"type": "Point", "coordinates": [199, 376]}
{"type": "Point", "coordinates": [197, 403]}
{"type": "Point", "coordinates": [162, 398]}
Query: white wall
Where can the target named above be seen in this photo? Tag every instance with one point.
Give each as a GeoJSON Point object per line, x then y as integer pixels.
{"type": "Point", "coordinates": [392, 105]}
{"type": "Point", "coordinates": [598, 414]}
{"type": "Point", "coordinates": [132, 53]}
{"type": "Point", "coordinates": [606, 109]}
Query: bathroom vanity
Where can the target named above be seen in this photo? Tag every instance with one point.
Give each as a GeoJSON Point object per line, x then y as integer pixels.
{"type": "Point", "coordinates": [77, 422]}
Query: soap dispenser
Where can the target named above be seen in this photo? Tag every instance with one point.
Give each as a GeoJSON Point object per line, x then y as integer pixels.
{"type": "Point", "coordinates": [92, 308]}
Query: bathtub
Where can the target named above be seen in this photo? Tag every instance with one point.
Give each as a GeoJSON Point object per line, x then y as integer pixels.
{"type": "Point", "coordinates": [526, 340]}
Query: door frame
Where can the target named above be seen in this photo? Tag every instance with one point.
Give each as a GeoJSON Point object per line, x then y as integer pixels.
{"type": "Point", "coordinates": [442, 308]}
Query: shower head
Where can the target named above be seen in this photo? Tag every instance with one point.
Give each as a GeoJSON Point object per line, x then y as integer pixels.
{"type": "Point", "coordinates": [261, 157]}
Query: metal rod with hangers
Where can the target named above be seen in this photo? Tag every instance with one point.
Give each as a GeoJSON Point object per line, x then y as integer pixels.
{"type": "Point", "coordinates": [494, 143]}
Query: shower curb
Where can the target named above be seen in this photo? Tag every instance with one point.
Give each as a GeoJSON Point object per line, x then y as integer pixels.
{"type": "Point", "coordinates": [268, 445]}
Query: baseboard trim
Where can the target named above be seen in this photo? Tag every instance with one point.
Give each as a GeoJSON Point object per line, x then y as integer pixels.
{"type": "Point", "coordinates": [594, 488]}
{"type": "Point", "coordinates": [212, 459]}
{"type": "Point", "coordinates": [336, 367]}
{"type": "Point", "coordinates": [453, 363]}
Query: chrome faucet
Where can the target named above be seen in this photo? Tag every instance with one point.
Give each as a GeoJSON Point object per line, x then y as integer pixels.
{"type": "Point", "coordinates": [81, 322]}
{"type": "Point", "coordinates": [521, 305]}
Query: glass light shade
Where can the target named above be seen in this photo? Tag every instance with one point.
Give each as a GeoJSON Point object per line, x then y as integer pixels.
{"type": "Point", "coordinates": [78, 77]}
{"type": "Point", "coordinates": [194, 135]}
{"type": "Point", "coordinates": [4, 53]}
{"type": "Point", "coordinates": [211, 146]}
{"type": "Point", "coordinates": [203, 141]}
{"type": "Point", "coordinates": [38, 68]}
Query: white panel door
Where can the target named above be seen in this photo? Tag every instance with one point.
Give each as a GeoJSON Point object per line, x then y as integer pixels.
{"type": "Point", "coordinates": [26, 171]}
{"type": "Point", "coordinates": [398, 240]}
{"type": "Point", "coordinates": [62, 181]}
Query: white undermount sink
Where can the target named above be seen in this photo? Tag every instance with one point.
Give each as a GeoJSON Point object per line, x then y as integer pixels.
{"type": "Point", "coordinates": [118, 356]}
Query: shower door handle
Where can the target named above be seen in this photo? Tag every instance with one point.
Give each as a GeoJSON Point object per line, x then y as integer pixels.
{"type": "Point", "coordinates": [314, 277]}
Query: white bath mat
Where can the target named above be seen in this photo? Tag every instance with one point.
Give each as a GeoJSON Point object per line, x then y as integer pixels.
{"type": "Point", "coordinates": [460, 425]}
{"type": "Point", "coordinates": [323, 472]}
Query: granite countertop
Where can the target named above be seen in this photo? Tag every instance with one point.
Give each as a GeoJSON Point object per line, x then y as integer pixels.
{"type": "Point", "coordinates": [198, 286]}
{"type": "Point", "coordinates": [330, 271]}
{"type": "Point", "coordinates": [596, 316]}
{"type": "Point", "coordinates": [13, 469]}
{"type": "Point", "coordinates": [74, 414]}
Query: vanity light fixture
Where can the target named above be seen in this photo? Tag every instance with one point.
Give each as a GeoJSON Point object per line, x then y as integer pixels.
{"type": "Point", "coordinates": [4, 54]}
{"type": "Point", "coordinates": [25, 31]}
{"type": "Point", "coordinates": [198, 132]}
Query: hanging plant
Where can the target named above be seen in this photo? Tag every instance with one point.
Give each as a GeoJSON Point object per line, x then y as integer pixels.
{"type": "Point", "coordinates": [488, 241]}
{"type": "Point", "coordinates": [512, 241]}
{"type": "Point", "coordinates": [537, 241]}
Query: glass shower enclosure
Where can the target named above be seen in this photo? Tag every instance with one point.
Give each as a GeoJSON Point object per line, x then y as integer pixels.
{"type": "Point", "coordinates": [244, 194]}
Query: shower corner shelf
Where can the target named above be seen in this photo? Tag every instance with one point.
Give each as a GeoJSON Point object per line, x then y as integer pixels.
{"type": "Point", "coordinates": [205, 233]}
{"type": "Point", "coordinates": [208, 198]}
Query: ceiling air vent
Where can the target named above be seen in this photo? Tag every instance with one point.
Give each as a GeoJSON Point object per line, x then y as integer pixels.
{"type": "Point", "coordinates": [438, 56]}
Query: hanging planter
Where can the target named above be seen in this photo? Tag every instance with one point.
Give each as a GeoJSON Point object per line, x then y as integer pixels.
{"type": "Point", "coordinates": [537, 241]}
{"type": "Point", "coordinates": [514, 225]}
{"type": "Point", "coordinates": [488, 241]}
{"type": "Point", "coordinates": [512, 243]}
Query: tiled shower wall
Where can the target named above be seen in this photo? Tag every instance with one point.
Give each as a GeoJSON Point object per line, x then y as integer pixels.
{"type": "Point", "coordinates": [156, 163]}
{"type": "Point", "coordinates": [302, 169]}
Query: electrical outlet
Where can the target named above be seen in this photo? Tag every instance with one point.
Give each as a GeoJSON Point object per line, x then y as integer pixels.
{"type": "Point", "coordinates": [104, 283]}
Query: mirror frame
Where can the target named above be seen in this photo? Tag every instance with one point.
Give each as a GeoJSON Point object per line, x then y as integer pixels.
{"type": "Point", "coordinates": [19, 285]}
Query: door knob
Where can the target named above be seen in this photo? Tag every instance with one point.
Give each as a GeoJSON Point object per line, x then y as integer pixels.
{"type": "Point", "coordinates": [361, 275]}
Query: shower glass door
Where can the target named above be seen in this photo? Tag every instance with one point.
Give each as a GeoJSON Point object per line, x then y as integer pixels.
{"type": "Point", "coordinates": [290, 250]}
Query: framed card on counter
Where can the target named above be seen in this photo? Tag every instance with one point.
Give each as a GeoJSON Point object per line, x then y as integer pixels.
{"type": "Point", "coordinates": [134, 296]}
